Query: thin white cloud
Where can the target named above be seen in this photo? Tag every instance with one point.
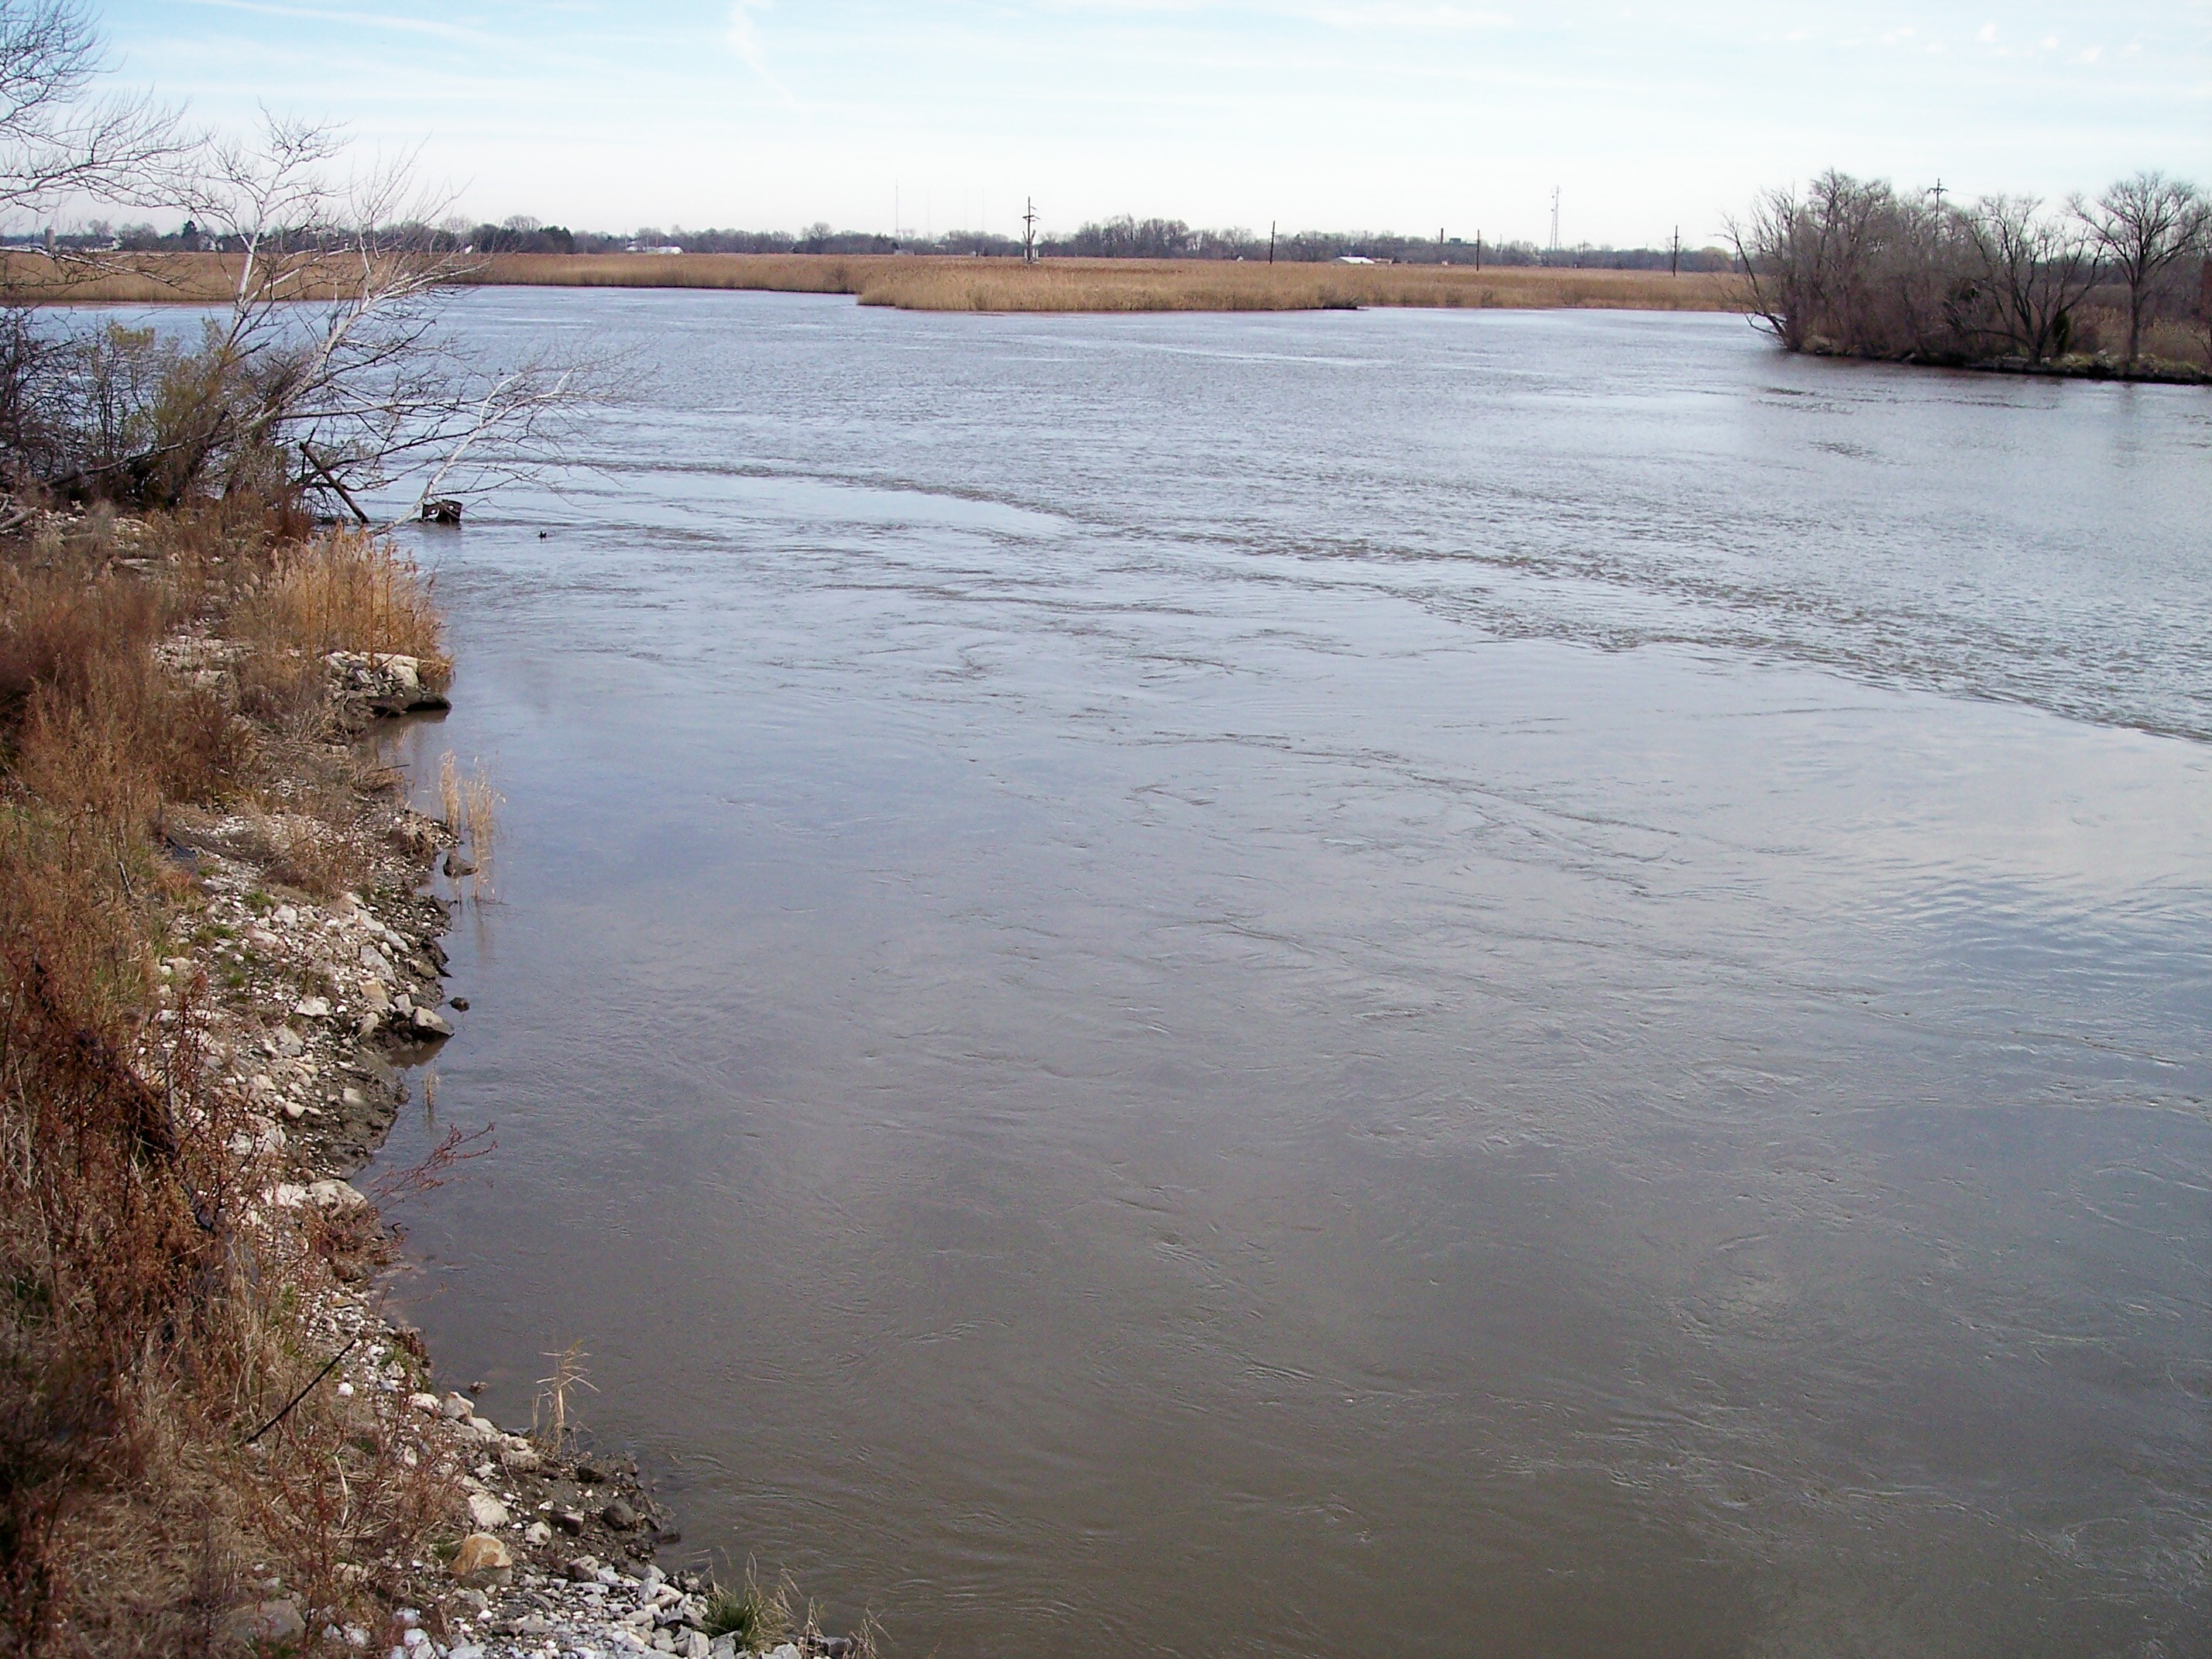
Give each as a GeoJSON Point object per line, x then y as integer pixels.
{"type": "Point", "coordinates": [373, 19]}
{"type": "Point", "coordinates": [1397, 15]}
{"type": "Point", "coordinates": [744, 39]}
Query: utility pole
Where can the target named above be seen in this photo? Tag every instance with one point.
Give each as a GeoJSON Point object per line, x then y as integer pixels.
{"type": "Point", "coordinates": [1478, 247]}
{"type": "Point", "coordinates": [1555, 218]}
{"type": "Point", "coordinates": [1675, 253]}
{"type": "Point", "coordinates": [1029, 232]}
{"type": "Point", "coordinates": [1937, 191]}
{"type": "Point", "coordinates": [1271, 241]}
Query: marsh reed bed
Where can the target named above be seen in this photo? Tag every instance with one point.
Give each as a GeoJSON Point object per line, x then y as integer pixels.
{"type": "Point", "coordinates": [36, 279]}
{"type": "Point", "coordinates": [936, 282]}
{"type": "Point", "coordinates": [941, 282]}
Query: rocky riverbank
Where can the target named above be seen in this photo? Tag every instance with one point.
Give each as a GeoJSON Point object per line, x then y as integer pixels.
{"type": "Point", "coordinates": [317, 1013]}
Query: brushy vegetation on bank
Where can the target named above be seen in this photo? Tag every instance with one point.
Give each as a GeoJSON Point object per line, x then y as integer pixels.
{"type": "Point", "coordinates": [2119, 286]}
{"type": "Point", "coordinates": [937, 282]}
{"type": "Point", "coordinates": [157, 1313]}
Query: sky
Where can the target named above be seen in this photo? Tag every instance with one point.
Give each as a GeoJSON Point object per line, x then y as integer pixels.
{"type": "Point", "coordinates": [1406, 115]}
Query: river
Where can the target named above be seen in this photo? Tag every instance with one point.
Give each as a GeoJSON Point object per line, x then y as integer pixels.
{"type": "Point", "coordinates": [1431, 983]}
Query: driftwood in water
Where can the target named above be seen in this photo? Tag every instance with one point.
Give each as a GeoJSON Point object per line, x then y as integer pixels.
{"type": "Point", "coordinates": [315, 462]}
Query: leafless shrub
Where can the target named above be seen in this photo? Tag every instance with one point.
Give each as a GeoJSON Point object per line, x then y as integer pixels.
{"type": "Point", "coordinates": [434, 1169]}
{"type": "Point", "coordinates": [116, 1208]}
{"type": "Point", "coordinates": [2200, 314]}
{"type": "Point", "coordinates": [327, 372]}
{"type": "Point", "coordinates": [1851, 266]}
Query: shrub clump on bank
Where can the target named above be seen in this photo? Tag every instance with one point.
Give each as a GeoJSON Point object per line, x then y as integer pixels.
{"type": "Point", "coordinates": [2121, 286]}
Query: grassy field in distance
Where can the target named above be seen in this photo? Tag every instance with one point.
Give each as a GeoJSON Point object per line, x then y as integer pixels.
{"type": "Point", "coordinates": [939, 283]}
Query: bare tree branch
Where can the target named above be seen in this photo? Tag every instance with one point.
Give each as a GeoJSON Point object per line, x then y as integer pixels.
{"type": "Point", "coordinates": [2143, 226]}
{"type": "Point", "coordinates": [57, 140]}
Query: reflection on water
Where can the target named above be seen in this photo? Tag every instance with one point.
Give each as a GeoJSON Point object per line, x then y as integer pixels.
{"type": "Point", "coordinates": [1412, 983]}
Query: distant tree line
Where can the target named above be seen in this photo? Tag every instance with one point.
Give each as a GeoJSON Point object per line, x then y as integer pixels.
{"type": "Point", "coordinates": [99, 235]}
{"type": "Point", "coordinates": [818, 238]}
{"type": "Point", "coordinates": [1128, 238]}
{"type": "Point", "coordinates": [1123, 238]}
{"type": "Point", "coordinates": [520, 235]}
{"type": "Point", "coordinates": [1857, 268]}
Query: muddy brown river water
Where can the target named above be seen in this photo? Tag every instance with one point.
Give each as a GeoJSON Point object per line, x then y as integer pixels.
{"type": "Point", "coordinates": [1412, 983]}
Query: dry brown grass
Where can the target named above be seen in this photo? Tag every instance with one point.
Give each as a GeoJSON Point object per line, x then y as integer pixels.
{"type": "Point", "coordinates": [1213, 285]}
{"type": "Point", "coordinates": [550, 1410]}
{"type": "Point", "coordinates": [934, 282]}
{"type": "Point", "coordinates": [94, 728]}
{"type": "Point", "coordinates": [309, 851]}
{"type": "Point", "coordinates": [449, 791]}
{"type": "Point", "coordinates": [350, 590]}
{"type": "Point", "coordinates": [780, 273]}
{"type": "Point", "coordinates": [480, 805]}
{"type": "Point", "coordinates": [469, 806]}
{"type": "Point", "coordinates": [346, 590]}
{"type": "Point", "coordinates": [156, 279]}
{"type": "Point", "coordinates": [941, 282]}
{"type": "Point", "coordinates": [148, 1320]}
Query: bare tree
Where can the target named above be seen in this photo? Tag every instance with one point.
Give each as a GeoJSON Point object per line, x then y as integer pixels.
{"type": "Point", "coordinates": [2200, 314]}
{"type": "Point", "coordinates": [59, 140]}
{"type": "Point", "coordinates": [1778, 250]}
{"type": "Point", "coordinates": [2142, 226]}
{"type": "Point", "coordinates": [329, 340]}
{"type": "Point", "coordinates": [330, 372]}
{"type": "Point", "coordinates": [2038, 269]}
{"type": "Point", "coordinates": [517, 428]}
{"type": "Point", "coordinates": [56, 138]}
{"type": "Point", "coordinates": [1851, 266]}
